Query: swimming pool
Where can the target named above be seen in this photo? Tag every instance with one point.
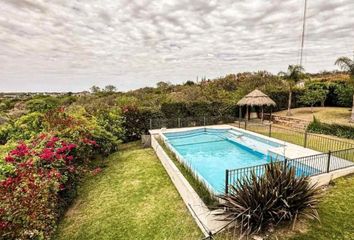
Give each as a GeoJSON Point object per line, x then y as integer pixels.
{"type": "Point", "coordinates": [209, 152]}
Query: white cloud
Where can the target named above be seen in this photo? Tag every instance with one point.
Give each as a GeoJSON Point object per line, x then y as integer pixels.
{"type": "Point", "coordinates": [70, 45]}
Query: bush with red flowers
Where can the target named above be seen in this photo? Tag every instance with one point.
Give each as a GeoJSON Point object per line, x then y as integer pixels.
{"type": "Point", "coordinates": [32, 195]}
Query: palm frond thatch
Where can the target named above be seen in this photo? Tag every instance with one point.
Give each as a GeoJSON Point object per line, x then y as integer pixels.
{"type": "Point", "coordinates": [256, 98]}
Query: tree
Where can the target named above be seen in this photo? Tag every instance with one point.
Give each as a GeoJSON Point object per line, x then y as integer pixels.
{"type": "Point", "coordinates": [313, 96]}
{"type": "Point", "coordinates": [95, 89]}
{"type": "Point", "coordinates": [110, 88]}
{"type": "Point", "coordinates": [316, 85]}
{"type": "Point", "coordinates": [293, 76]}
{"type": "Point", "coordinates": [346, 64]}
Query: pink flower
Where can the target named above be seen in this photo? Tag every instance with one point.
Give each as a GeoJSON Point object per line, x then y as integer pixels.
{"type": "Point", "coordinates": [9, 159]}
{"type": "Point", "coordinates": [96, 171]}
{"type": "Point", "coordinates": [47, 154]}
{"type": "Point", "coordinates": [21, 150]}
{"type": "Point", "coordinates": [70, 158]}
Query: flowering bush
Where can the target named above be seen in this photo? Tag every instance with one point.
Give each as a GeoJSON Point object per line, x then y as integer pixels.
{"type": "Point", "coordinates": [31, 196]}
{"type": "Point", "coordinates": [38, 178]}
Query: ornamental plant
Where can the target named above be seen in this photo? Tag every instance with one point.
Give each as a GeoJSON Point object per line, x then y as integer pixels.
{"type": "Point", "coordinates": [260, 202]}
{"type": "Point", "coordinates": [45, 170]}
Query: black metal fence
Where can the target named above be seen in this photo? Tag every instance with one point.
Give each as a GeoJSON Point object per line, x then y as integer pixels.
{"type": "Point", "coordinates": [305, 166]}
{"type": "Point", "coordinates": [157, 123]}
{"type": "Point", "coordinates": [300, 137]}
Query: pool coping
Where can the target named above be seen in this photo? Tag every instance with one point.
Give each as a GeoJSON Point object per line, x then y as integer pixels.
{"type": "Point", "coordinates": [288, 150]}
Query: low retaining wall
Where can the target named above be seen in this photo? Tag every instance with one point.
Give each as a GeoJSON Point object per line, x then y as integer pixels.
{"type": "Point", "coordinates": [326, 178]}
{"type": "Point", "coordinates": [207, 221]}
{"type": "Point", "coordinates": [290, 121]}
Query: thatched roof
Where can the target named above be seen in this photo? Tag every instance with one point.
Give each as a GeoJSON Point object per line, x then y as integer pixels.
{"type": "Point", "coordinates": [256, 98]}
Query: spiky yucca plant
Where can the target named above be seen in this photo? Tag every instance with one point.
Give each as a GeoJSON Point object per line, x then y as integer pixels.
{"type": "Point", "coordinates": [258, 202]}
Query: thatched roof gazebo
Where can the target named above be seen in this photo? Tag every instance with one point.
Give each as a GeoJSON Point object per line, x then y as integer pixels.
{"type": "Point", "coordinates": [258, 99]}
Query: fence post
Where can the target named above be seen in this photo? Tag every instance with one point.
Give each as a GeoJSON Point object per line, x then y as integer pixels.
{"type": "Point", "coordinates": [179, 122]}
{"type": "Point", "coordinates": [226, 181]}
{"type": "Point", "coordinates": [329, 161]}
{"type": "Point", "coordinates": [270, 130]}
{"type": "Point", "coordinates": [305, 139]}
{"type": "Point", "coordinates": [150, 123]}
{"type": "Point", "coordinates": [204, 120]}
{"type": "Point", "coordinates": [285, 163]}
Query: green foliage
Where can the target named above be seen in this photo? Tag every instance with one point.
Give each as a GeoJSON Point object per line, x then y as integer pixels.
{"type": "Point", "coordinates": [7, 104]}
{"type": "Point", "coordinates": [95, 89]}
{"type": "Point", "coordinates": [313, 96]}
{"type": "Point", "coordinates": [294, 75]}
{"type": "Point", "coordinates": [27, 126]}
{"type": "Point", "coordinates": [112, 122]}
{"type": "Point", "coordinates": [125, 100]}
{"type": "Point", "coordinates": [280, 96]}
{"type": "Point", "coordinates": [110, 88]}
{"type": "Point", "coordinates": [337, 130]}
{"type": "Point", "coordinates": [135, 123]}
{"type": "Point", "coordinates": [344, 95]}
{"type": "Point", "coordinates": [257, 203]}
{"type": "Point", "coordinates": [42, 104]}
{"type": "Point", "coordinates": [5, 133]}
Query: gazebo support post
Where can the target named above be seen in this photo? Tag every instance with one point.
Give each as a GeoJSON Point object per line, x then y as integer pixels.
{"type": "Point", "coordinates": [262, 114]}
{"type": "Point", "coordinates": [239, 116]}
{"type": "Point", "coordinates": [270, 116]}
{"type": "Point", "coordinates": [246, 116]}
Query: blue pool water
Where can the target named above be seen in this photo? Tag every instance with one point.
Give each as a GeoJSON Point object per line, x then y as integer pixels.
{"type": "Point", "coordinates": [209, 152]}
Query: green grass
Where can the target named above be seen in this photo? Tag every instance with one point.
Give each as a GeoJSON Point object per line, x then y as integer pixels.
{"type": "Point", "coordinates": [338, 115]}
{"type": "Point", "coordinates": [336, 212]}
{"type": "Point", "coordinates": [133, 198]}
{"type": "Point", "coordinates": [322, 143]}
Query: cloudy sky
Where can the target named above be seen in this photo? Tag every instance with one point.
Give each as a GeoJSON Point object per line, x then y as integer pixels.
{"type": "Point", "coordinates": [70, 45]}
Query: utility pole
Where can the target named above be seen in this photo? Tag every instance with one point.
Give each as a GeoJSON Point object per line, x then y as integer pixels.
{"type": "Point", "coordinates": [303, 32]}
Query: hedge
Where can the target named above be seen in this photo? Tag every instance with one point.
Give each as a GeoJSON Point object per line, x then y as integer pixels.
{"type": "Point", "coordinates": [331, 129]}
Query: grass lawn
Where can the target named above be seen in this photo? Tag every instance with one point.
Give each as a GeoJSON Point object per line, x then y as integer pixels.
{"type": "Point", "coordinates": [133, 198]}
{"type": "Point", "coordinates": [322, 143]}
{"type": "Point", "coordinates": [338, 115]}
{"type": "Point", "coordinates": [336, 213]}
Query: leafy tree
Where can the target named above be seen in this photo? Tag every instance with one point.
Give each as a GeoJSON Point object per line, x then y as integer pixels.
{"type": "Point", "coordinates": [344, 94]}
{"type": "Point", "coordinates": [346, 64]}
{"type": "Point", "coordinates": [110, 88]}
{"type": "Point", "coordinates": [322, 86]}
{"type": "Point", "coordinates": [95, 89]}
{"type": "Point", "coordinates": [189, 83]}
{"type": "Point", "coordinates": [293, 76]}
{"type": "Point", "coordinates": [163, 85]}
{"type": "Point", "coordinates": [313, 96]}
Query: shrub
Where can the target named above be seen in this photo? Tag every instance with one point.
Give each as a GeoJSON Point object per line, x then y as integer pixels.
{"type": "Point", "coordinates": [135, 123]}
{"type": "Point", "coordinates": [256, 203]}
{"type": "Point", "coordinates": [344, 95]}
{"type": "Point", "coordinates": [42, 104]}
{"type": "Point", "coordinates": [331, 129]}
{"type": "Point", "coordinates": [27, 126]}
{"type": "Point", "coordinates": [30, 194]}
{"type": "Point", "coordinates": [79, 126]}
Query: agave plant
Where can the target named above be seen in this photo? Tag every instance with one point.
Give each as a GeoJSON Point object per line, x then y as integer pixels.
{"type": "Point", "coordinates": [259, 202]}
